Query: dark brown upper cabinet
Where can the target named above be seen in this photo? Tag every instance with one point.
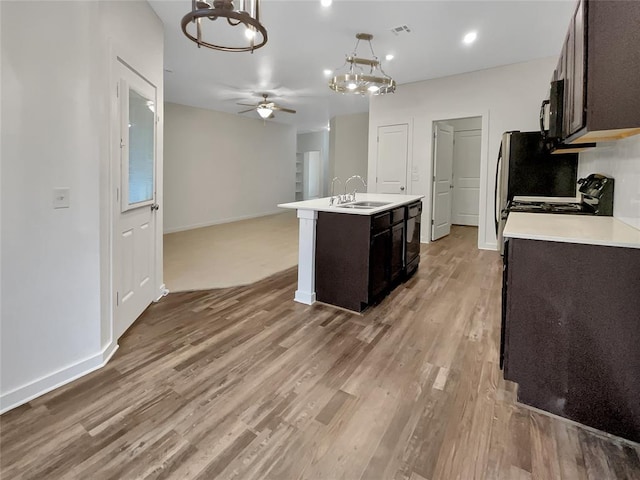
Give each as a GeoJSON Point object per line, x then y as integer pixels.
{"type": "Point", "coordinates": [600, 66]}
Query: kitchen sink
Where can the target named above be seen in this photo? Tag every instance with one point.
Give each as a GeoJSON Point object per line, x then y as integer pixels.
{"type": "Point", "coordinates": [370, 204]}
{"type": "Point", "coordinates": [353, 205]}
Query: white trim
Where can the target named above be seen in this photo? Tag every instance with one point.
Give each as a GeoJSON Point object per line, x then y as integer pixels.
{"type": "Point", "coordinates": [483, 243]}
{"type": "Point", "coordinates": [305, 297]}
{"type": "Point", "coordinates": [36, 388]}
{"type": "Point", "coordinates": [219, 222]}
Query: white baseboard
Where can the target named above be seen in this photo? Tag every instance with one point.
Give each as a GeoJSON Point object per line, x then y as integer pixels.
{"type": "Point", "coordinates": [28, 392]}
{"type": "Point", "coordinates": [224, 220]}
{"type": "Point", "coordinates": [305, 297]}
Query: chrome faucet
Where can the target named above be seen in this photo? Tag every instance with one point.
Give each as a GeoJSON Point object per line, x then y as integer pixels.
{"type": "Point", "coordinates": [334, 197]}
{"type": "Point", "coordinates": [351, 197]}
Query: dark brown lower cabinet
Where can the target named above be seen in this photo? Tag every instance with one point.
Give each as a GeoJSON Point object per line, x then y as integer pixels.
{"type": "Point", "coordinates": [571, 331]}
{"type": "Point", "coordinates": [359, 258]}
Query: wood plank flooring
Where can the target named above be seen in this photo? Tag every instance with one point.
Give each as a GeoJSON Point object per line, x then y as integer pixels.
{"type": "Point", "coordinates": [243, 383]}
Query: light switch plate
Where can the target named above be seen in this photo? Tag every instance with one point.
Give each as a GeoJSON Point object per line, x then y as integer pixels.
{"type": "Point", "coordinates": [61, 197]}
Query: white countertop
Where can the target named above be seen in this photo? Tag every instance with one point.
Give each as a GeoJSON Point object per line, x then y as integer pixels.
{"type": "Point", "coordinates": [322, 204]}
{"type": "Point", "coordinates": [585, 229]}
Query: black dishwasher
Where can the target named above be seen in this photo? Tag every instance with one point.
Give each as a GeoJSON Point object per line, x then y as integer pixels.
{"type": "Point", "coordinates": [412, 237]}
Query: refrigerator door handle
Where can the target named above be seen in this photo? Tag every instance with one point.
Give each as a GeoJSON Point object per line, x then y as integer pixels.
{"type": "Point", "coordinates": [497, 206]}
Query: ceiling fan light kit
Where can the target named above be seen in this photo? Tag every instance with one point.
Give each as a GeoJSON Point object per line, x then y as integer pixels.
{"type": "Point", "coordinates": [362, 80]}
{"type": "Point", "coordinates": [265, 108]}
{"type": "Point", "coordinates": [218, 14]}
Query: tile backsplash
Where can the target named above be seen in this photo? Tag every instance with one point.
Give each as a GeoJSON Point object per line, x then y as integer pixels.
{"type": "Point", "coordinates": [620, 160]}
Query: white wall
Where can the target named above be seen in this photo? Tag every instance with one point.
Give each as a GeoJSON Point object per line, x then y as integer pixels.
{"type": "Point", "coordinates": [348, 146]}
{"type": "Point", "coordinates": [220, 167]}
{"type": "Point", "coordinates": [317, 141]}
{"type": "Point", "coordinates": [56, 99]}
{"type": "Point", "coordinates": [620, 160]}
{"type": "Point", "coordinates": [508, 98]}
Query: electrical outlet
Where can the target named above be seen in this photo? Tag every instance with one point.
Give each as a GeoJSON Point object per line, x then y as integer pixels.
{"type": "Point", "coordinates": [61, 197]}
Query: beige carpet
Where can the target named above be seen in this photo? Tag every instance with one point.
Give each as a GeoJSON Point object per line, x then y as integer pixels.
{"type": "Point", "coordinates": [230, 254]}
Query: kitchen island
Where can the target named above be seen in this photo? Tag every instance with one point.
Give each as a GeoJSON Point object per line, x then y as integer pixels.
{"type": "Point", "coordinates": [345, 237]}
{"type": "Point", "coordinates": [571, 318]}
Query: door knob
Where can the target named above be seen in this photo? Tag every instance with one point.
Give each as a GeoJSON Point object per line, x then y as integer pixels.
{"type": "Point", "coordinates": [401, 188]}
{"type": "Point", "coordinates": [154, 206]}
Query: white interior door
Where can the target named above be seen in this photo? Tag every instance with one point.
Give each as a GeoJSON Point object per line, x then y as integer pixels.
{"type": "Point", "coordinates": [466, 177]}
{"type": "Point", "coordinates": [442, 176]}
{"type": "Point", "coordinates": [135, 208]}
{"type": "Point", "coordinates": [393, 144]}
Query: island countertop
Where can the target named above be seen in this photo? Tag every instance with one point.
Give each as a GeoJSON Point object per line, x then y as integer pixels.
{"type": "Point", "coordinates": [392, 200]}
{"type": "Point", "coordinates": [585, 229]}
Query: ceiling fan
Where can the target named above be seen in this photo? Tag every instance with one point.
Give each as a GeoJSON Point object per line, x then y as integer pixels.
{"type": "Point", "coordinates": [265, 108]}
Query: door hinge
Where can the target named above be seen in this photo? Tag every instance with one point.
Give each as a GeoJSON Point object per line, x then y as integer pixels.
{"type": "Point", "coordinates": [117, 90]}
{"type": "Point", "coordinates": [117, 194]}
{"type": "Point", "coordinates": [117, 298]}
{"type": "Point", "coordinates": [435, 134]}
{"type": "Point", "coordinates": [431, 222]}
{"type": "Point", "coordinates": [434, 178]}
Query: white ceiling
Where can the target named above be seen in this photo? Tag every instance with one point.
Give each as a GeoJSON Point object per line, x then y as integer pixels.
{"type": "Point", "coordinates": [306, 38]}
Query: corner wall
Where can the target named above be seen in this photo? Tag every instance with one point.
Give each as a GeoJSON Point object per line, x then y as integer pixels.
{"type": "Point", "coordinates": [221, 167]}
{"type": "Point", "coordinates": [56, 109]}
{"type": "Point", "coordinates": [348, 146]}
{"type": "Point", "coordinates": [508, 98]}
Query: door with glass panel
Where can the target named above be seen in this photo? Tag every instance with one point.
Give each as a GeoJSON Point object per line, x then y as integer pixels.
{"type": "Point", "coordinates": [135, 208]}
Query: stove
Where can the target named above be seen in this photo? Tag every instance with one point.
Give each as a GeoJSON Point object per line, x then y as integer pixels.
{"type": "Point", "coordinates": [596, 192]}
{"type": "Point", "coordinates": [548, 207]}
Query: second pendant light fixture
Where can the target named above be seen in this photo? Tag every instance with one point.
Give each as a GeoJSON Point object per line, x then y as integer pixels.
{"type": "Point", "coordinates": [363, 75]}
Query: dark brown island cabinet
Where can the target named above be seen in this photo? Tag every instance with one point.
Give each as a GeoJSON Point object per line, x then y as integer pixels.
{"type": "Point", "coordinates": [361, 258]}
{"type": "Point", "coordinates": [571, 331]}
{"type": "Point", "coordinates": [598, 69]}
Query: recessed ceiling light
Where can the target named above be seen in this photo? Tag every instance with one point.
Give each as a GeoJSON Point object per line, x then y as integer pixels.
{"type": "Point", "coordinates": [389, 57]}
{"type": "Point", "coordinates": [326, 3]}
{"type": "Point", "coordinates": [470, 37]}
{"type": "Point", "coordinates": [327, 72]}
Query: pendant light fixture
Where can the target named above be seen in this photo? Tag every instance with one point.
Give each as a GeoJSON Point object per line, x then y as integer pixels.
{"type": "Point", "coordinates": [364, 75]}
{"type": "Point", "coordinates": [207, 22]}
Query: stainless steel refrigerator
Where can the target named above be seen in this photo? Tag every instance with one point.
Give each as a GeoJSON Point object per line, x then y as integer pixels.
{"type": "Point", "coordinates": [526, 167]}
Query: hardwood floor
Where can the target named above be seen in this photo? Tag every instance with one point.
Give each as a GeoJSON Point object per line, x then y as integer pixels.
{"type": "Point", "coordinates": [243, 383]}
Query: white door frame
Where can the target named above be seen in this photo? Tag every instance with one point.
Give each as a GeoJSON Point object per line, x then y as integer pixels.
{"type": "Point", "coordinates": [114, 184]}
{"type": "Point", "coordinates": [484, 172]}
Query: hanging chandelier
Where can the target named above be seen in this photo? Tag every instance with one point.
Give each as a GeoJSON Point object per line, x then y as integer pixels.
{"type": "Point", "coordinates": [364, 75]}
{"type": "Point", "coordinates": [205, 23]}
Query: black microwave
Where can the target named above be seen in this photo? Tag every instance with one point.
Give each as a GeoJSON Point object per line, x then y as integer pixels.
{"type": "Point", "coordinates": [556, 100]}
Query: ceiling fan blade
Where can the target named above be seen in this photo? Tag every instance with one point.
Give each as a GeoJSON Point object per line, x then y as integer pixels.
{"type": "Point", "coordinates": [247, 110]}
{"type": "Point", "coordinates": [283, 109]}
{"type": "Point", "coordinates": [247, 104]}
